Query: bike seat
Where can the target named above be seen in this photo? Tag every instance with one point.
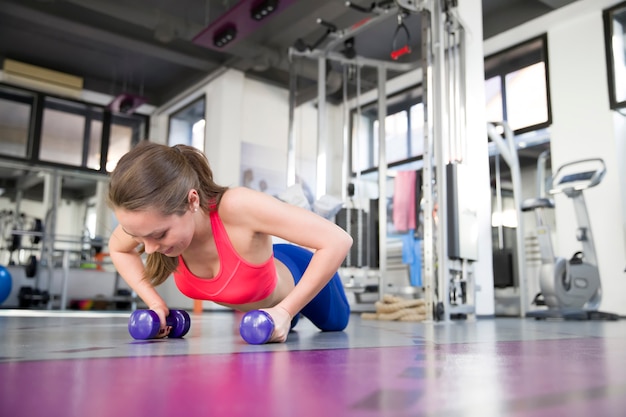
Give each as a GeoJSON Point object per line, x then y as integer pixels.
{"type": "Point", "coordinates": [535, 203]}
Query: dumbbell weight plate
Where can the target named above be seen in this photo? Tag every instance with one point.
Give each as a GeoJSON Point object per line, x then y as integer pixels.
{"type": "Point", "coordinates": [143, 324]}
{"type": "Point", "coordinates": [180, 322]}
{"type": "Point", "coordinates": [256, 327]}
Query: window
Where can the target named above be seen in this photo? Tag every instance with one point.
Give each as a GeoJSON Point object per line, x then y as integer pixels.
{"type": "Point", "coordinates": [517, 90]}
{"type": "Point", "coordinates": [71, 134]}
{"type": "Point", "coordinates": [44, 129]}
{"type": "Point", "coordinates": [15, 114]}
{"type": "Point", "coordinates": [187, 125]}
{"type": "Point", "coordinates": [516, 86]}
{"type": "Point", "coordinates": [416, 120]}
{"type": "Point", "coordinates": [526, 96]}
{"type": "Point", "coordinates": [126, 131]}
{"type": "Point", "coordinates": [615, 46]}
{"type": "Point", "coordinates": [404, 134]}
{"type": "Point", "coordinates": [396, 135]}
{"type": "Point", "coordinates": [493, 92]}
{"type": "Point", "coordinates": [63, 132]}
{"type": "Point", "coordinates": [94, 143]}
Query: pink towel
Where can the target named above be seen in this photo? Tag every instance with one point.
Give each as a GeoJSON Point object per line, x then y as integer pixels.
{"type": "Point", "coordinates": [404, 201]}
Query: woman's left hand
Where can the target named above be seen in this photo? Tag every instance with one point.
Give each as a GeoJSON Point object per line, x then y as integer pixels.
{"type": "Point", "coordinates": [282, 323]}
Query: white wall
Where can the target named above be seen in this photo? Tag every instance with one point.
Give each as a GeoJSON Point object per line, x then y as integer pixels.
{"type": "Point", "coordinates": [305, 134]}
{"type": "Point", "coordinates": [619, 123]}
{"type": "Point", "coordinates": [477, 152]}
{"type": "Point", "coordinates": [583, 127]}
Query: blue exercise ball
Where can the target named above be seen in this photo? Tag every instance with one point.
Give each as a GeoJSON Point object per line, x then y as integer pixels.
{"type": "Point", "coordinates": [6, 283]}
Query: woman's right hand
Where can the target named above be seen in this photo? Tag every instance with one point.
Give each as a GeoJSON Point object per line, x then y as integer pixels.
{"type": "Point", "coordinates": [128, 263]}
{"type": "Point", "coordinates": [162, 311]}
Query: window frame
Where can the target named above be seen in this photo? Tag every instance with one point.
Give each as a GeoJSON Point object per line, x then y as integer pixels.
{"type": "Point", "coordinates": [8, 92]}
{"type": "Point", "coordinates": [40, 103]}
{"type": "Point", "coordinates": [525, 53]}
{"type": "Point", "coordinates": [400, 101]}
{"type": "Point", "coordinates": [186, 107]}
{"type": "Point", "coordinates": [515, 58]}
{"type": "Point", "coordinates": [607, 17]}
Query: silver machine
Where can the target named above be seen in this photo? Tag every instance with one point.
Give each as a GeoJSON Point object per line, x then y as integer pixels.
{"type": "Point", "coordinates": [570, 288]}
{"type": "Point", "coordinates": [449, 218]}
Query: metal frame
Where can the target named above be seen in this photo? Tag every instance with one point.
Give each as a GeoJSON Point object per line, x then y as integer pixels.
{"type": "Point", "coordinates": [508, 150]}
{"type": "Point", "coordinates": [443, 52]}
{"type": "Point", "coordinates": [322, 55]}
{"type": "Point", "coordinates": [444, 119]}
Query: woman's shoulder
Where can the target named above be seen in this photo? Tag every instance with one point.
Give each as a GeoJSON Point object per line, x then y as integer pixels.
{"type": "Point", "coordinates": [237, 201]}
{"type": "Point", "coordinates": [243, 201]}
{"type": "Point", "coordinates": [235, 196]}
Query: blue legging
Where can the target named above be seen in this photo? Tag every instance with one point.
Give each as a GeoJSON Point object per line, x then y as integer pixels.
{"type": "Point", "coordinates": [329, 310]}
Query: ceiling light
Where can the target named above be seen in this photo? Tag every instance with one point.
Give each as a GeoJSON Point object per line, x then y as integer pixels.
{"type": "Point", "coordinates": [225, 35]}
{"type": "Point", "coordinates": [263, 9]}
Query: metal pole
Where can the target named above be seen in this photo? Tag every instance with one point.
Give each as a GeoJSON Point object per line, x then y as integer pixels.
{"type": "Point", "coordinates": [346, 158]}
{"type": "Point", "coordinates": [361, 61]}
{"type": "Point", "coordinates": [357, 192]}
{"type": "Point", "coordinates": [345, 168]}
{"type": "Point", "coordinates": [382, 179]}
{"type": "Point", "coordinates": [291, 140]}
{"type": "Point", "coordinates": [66, 278]}
{"type": "Point", "coordinates": [321, 127]}
{"type": "Point", "coordinates": [441, 137]}
{"type": "Point", "coordinates": [499, 202]}
{"type": "Point", "coordinates": [429, 261]}
{"type": "Point", "coordinates": [462, 93]}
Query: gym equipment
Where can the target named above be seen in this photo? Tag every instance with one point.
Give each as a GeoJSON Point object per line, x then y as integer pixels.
{"type": "Point", "coordinates": [398, 51]}
{"type": "Point", "coordinates": [145, 324]}
{"type": "Point", "coordinates": [6, 284]}
{"type": "Point", "coordinates": [32, 297]}
{"type": "Point", "coordinates": [394, 308]}
{"type": "Point", "coordinates": [31, 267]}
{"type": "Point", "coordinates": [256, 327]}
{"type": "Point", "coordinates": [571, 288]}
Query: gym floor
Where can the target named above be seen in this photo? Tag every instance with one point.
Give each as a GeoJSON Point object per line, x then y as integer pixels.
{"type": "Point", "coordinates": [70, 364]}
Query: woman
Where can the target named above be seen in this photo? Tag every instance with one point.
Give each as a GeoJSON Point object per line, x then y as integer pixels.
{"type": "Point", "coordinates": [217, 242]}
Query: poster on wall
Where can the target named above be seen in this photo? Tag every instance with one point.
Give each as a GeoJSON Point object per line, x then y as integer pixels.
{"type": "Point", "coordinates": [263, 169]}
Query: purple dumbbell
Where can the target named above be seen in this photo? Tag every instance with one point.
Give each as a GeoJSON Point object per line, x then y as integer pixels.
{"type": "Point", "coordinates": [144, 324]}
{"type": "Point", "coordinates": [256, 327]}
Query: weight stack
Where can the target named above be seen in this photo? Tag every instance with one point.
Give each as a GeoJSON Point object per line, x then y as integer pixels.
{"type": "Point", "coordinates": [369, 235]}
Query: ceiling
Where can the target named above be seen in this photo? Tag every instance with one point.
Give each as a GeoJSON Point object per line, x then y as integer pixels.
{"type": "Point", "coordinates": [151, 48]}
{"type": "Point", "coordinates": [147, 47]}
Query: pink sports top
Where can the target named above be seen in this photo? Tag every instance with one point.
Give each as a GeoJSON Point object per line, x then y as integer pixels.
{"type": "Point", "coordinates": [237, 282]}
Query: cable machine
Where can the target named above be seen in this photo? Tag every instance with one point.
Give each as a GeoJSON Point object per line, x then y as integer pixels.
{"type": "Point", "coordinates": [323, 50]}
{"type": "Point", "coordinates": [450, 218]}
{"type": "Point", "coordinates": [450, 222]}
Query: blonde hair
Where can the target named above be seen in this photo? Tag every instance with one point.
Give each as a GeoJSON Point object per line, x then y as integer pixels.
{"type": "Point", "coordinates": [155, 176]}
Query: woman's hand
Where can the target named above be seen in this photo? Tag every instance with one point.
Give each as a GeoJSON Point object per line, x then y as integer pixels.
{"type": "Point", "coordinates": [162, 311]}
{"type": "Point", "coordinates": [282, 323]}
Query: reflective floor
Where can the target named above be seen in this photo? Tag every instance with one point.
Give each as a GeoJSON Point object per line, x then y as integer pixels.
{"type": "Point", "coordinates": [86, 364]}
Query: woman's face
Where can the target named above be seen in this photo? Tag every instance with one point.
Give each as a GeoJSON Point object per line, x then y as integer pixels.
{"type": "Point", "coordinates": [169, 235]}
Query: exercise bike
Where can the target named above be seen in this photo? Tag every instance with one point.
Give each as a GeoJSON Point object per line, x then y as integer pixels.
{"type": "Point", "coordinates": [570, 288]}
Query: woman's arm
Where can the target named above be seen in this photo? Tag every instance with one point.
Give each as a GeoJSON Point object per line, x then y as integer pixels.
{"type": "Point", "coordinates": [263, 213]}
{"type": "Point", "coordinates": [128, 263]}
